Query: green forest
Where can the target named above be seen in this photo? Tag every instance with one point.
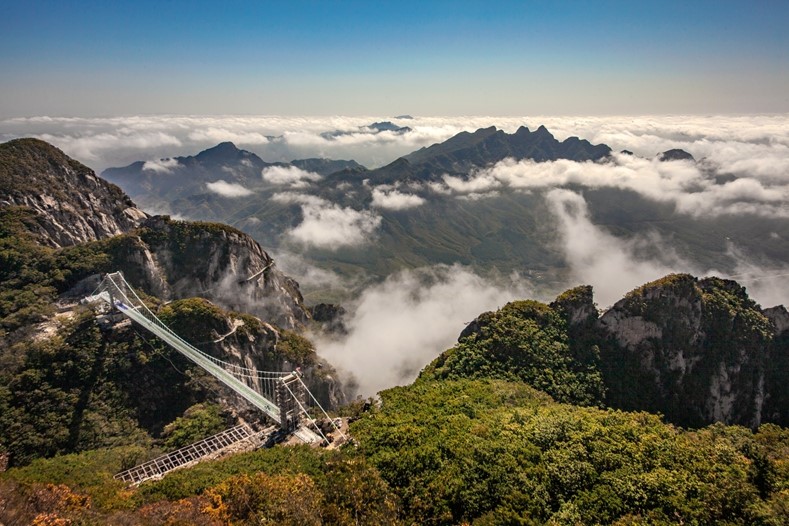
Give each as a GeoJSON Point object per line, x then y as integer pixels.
{"type": "Point", "coordinates": [514, 425]}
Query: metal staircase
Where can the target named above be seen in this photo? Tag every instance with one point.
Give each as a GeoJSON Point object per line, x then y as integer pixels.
{"type": "Point", "coordinates": [192, 453]}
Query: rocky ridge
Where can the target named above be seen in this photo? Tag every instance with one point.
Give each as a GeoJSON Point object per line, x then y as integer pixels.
{"type": "Point", "coordinates": [72, 205]}
{"type": "Point", "coordinates": [697, 350]}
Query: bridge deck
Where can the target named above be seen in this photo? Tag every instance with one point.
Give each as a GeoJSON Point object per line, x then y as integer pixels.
{"type": "Point", "coordinates": [194, 452]}
{"type": "Point", "coordinates": [255, 398]}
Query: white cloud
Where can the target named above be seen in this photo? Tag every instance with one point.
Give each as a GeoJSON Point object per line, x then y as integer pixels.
{"type": "Point", "coordinates": [161, 166]}
{"type": "Point", "coordinates": [311, 278]}
{"type": "Point", "coordinates": [765, 282]}
{"type": "Point", "coordinates": [690, 187]}
{"type": "Point", "coordinates": [753, 145]}
{"type": "Point", "coordinates": [611, 265]}
{"type": "Point", "coordinates": [394, 200]}
{"type": "Point", "coordinates": [614, 266]}
{"type": "Point", "coordinates": [327, 225]}
{"type": "Point", "coordinates": [397, 327]}
{"type": "Point", "coordinates": [289, 175]}
{"type": "Point", "coordinates": [226, 189]}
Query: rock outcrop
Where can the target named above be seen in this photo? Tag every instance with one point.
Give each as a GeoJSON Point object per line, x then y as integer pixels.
{"type": "Point", "coordinates": [697, 350]}
{"type": "Point", "coordinates": [675, 154]}
{"type": "Point", "coordinates": [72, 204]}
{"type": "Point", "coordinates": [180, 259]}
{"type": "Point", "coordinates": [250, 342]}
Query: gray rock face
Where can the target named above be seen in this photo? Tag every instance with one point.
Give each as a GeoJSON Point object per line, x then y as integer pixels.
{"type": "Point", "coordinates": [698, 351]}
{"type": "Point", "coordinates": [256, 347]}
{"type": "Point", "coordinates": [72, 204]}
{"type": "Point", "coordinates": [178, 259]}
{"type": "Point", "coordinates": [779, 317]}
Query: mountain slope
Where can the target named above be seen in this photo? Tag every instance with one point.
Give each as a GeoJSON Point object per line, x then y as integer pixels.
{"type": "Point", "coordinates": [698, 351]}
{"type": "Point", "coordinates": [71, 204]}
{"type": "Point", "coordinates": [69, 383]}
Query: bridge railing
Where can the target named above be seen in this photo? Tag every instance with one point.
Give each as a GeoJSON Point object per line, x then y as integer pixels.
{"type": "Point", "coordinates": [116, 291]}
{"type": "Point", "coordinates": [278, 394]}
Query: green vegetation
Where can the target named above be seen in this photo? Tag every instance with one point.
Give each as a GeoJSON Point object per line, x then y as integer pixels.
{"type": "Point", "coordinates": [199, 421]}
{"type": "Point", "coordinates": [31, 275]}
{"type": "Point", "coordinates": [458, 451]}
{"type": "Point", "coordinates": [526, 341]}
{"type": "Point", "coordinates": [296, 349]}
{"type": "Point", "coordinates": [298, 485]}
{"type": "Point", "coordinates": [493, 452]}
{"type": "Point", "coordinates": [197, 317]}
{"type": "Point", "coordinates": [22, 157]}
{"type": "Point", "coordinates": [79, 390]}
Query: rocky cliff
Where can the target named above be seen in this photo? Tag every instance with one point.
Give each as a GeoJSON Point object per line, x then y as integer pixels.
{"type": "Point", "coordinates": [696, 350]}
{"type": "Point", "coordinates": [168, 259]}
{"type": "Point", "coordinates": [180, 259]}
{"type": "Point", "coordinates": [72, 205]}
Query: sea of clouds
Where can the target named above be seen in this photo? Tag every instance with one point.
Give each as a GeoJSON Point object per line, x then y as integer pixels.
{"type": "Point", "coordinates": [399, 325]}
{"type": "Point", "coordinates": [754, 142]}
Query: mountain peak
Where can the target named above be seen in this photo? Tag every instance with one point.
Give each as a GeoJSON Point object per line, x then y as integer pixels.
{"type": "Point", "coordinates": [490, 145]}
{"type": "Point", "coordinates": [223, 150]}
{"type": "Point", "coordinates": [675, 155]}
{"type": "Point", "coordinates": [542, 131]}
{"type": "Point", "coordinates": [490, 130]}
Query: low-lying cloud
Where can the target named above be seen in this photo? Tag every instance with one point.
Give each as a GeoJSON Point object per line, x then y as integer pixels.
{"type": "Point", "coordinates": [614, 266]}
{"type": "Point", "coordinates": [226, 189]}
{"type": "Point", "coordinates": [395, 200]}
{"type": "Point", "coordinates": [162, 166]}
{"type": "Point", "coordinates": [327, 225]}
{"type": "Point", "coordinates": [611, 265]}
{"type": "Point", "coordinates": [289, 176]}
{"type": "Point", "coordinates": [397, 327]}
{"type": "Point", "coordinates": [693, 188]}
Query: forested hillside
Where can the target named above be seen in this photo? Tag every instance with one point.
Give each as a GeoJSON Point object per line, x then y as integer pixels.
{"type": "Point", "coordinates": [540, 414]}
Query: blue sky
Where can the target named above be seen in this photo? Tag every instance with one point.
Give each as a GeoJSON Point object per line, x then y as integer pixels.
{"type": "Point", "coordinates": [380, 58]}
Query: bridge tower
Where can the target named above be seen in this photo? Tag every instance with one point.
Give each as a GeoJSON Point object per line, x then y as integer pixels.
{"type": "Point", "coordinates": [291, 399]}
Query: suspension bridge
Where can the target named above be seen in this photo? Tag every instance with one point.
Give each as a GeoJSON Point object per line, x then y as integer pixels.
{"type": "Point", "coordinates": [282, 397]}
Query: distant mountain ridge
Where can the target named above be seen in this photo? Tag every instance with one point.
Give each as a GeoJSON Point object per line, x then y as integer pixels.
{"type": "Point", "coordinates": [178, 177]}
{"type": "Point", "coordinates": [491, 230]}
{"type": "Point", "coordinates": [467, 151]}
